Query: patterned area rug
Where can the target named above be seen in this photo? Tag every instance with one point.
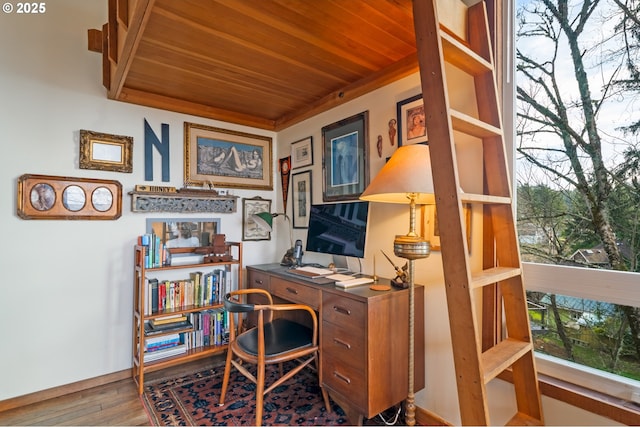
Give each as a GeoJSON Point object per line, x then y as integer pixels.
{"type": "Point", "coordinates": [193, 400]}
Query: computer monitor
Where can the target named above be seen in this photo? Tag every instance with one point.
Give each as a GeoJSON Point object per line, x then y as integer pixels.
{"type": "Point", "coordinates": [338, 228]}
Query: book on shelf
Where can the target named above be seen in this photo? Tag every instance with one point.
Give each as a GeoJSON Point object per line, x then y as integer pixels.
{"type": "Point", "coordinates": [200, 289]}
{"type": "Point", "coordinates": [168, 319]}
{"type": "Point", "coordinates": [163, 353]}
{"type": "Point", "coordinates": [155, 251]}
{"type": "Point", "coordinates": [163, 341]}
{"type": "Point", "coordinates": [185, 259]}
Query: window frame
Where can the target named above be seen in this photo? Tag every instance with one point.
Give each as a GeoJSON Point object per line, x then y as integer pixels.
{"type": "Point", "coordinates": [587, 388]}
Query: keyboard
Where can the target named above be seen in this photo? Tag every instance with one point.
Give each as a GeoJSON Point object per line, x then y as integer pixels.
{"type": "Point", "coordinates": [354, 282]}
{"type": "Point", "coordinates": [309, 271]}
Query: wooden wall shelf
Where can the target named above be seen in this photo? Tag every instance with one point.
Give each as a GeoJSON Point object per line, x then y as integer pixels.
{"type": "Point", "coordinates": [184, 203]}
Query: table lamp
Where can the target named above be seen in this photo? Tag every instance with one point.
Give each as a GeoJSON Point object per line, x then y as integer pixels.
{"type": "Point", "coordinates": [264, 220]}
{"type": "Point", "coordinates": [406, 178]}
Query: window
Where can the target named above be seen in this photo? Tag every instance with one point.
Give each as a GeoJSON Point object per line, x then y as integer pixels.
{"type": "Point", "coordinates": [582, 315]}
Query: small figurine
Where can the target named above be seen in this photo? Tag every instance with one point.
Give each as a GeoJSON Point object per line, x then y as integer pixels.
{"type": "Point", "coordinates": [402, 275]}
{"type": "Point", "coordinates": [392, 131]}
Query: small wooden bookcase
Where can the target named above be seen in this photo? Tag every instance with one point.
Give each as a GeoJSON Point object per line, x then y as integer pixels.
{"type": "Point", "coordinates": [142, 313]}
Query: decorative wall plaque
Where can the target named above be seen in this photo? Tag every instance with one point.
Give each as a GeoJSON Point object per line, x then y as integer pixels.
{"type": "Point", "coordinates": [176, 202]}
{"type": "Point", "coordinates": [59, 197]}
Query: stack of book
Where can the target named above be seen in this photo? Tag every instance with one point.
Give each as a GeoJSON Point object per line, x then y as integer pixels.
{"type": "Point", "coordinates": [163, 346]}
{"type": "Point", "coordinates": [168, 323]}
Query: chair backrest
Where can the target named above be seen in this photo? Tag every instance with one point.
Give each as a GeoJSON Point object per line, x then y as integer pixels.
{"type": "Point", "coordinates": [235, 306]}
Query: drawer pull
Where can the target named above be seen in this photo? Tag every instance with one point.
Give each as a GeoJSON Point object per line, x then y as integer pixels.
{"type": "Point", "coordinates": [292, 291]}
{"type": "Point", "coordinates": [258, 281]}
{"type": "Point", "coordinates": [342, 310]}
{"type": "Point", "coordinates": [339, 376]}
{"type": "Point", "coordinates": [342, 343]}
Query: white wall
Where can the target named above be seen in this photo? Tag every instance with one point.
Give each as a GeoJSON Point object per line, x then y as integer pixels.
{"type": "Point", "coordinates": [66, 306]}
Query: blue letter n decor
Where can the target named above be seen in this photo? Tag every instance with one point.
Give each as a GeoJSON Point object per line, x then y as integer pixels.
{"type": "Point", "coordinates": [150, 141]}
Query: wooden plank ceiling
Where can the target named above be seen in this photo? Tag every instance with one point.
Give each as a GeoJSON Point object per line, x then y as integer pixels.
{"type": "Point", "coordinates": [262, 63]}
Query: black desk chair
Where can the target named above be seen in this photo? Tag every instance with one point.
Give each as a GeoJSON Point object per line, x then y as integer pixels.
{"type": "Point", "coordinates": [272, 341]}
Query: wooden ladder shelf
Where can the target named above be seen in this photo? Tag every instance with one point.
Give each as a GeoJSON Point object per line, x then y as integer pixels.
{"type": "Point", "coordinates": [475, 366]}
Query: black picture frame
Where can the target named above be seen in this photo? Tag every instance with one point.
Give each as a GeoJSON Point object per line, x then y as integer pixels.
{"type": "Point", "coordinates": [302, 153]}
{"type": "Point", "coordinates": [302, 198]}
{"type": "Point", "coordinates": [408, 110]}
{"type": "Point", "coordinates": [345, 161]}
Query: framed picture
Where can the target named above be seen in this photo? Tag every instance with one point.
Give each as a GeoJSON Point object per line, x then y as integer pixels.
{"type": "Point", "coordinates": [227, 158]}
{"type": "Point", "coordinates": [302, 153]}
{"type": "Point", "coordinates": [411, 123]}
{"type": "Point", "coordinates": [430, 228]}
{"type": "Point", "coordinates": [106, 152]}
{"type": "Point", "coordinates": [58, 197]}
{"type": "Point", "coordinates": [184, 232]}
{"type": "Point", "coordinates": [345, 162]}
{"type": "Point", "coordinates": [251, 230]}
{"type": "Point", "coordinates": [302, 199]}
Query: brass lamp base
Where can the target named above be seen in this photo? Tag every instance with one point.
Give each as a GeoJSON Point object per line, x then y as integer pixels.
{"type": "Point", "coordinates": [411, 247]}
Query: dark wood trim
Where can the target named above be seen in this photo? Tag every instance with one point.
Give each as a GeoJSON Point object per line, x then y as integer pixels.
{"type": "Point", "coordinates": [94, 40]}
{"type": "Point", "coordinates": [39, 396]}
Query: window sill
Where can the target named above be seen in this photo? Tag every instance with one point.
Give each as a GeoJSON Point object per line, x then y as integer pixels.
{"type": "Point", "coordinates": [614, 408]}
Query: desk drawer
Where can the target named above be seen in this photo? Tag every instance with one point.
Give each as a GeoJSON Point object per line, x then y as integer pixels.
{"type": "Point", "coordinates": [345, 379]}
{"type": "Point", "coordinates": [344, 345]}
{"type": "Point", "coordinates": [344, 312]}
{"type": "Point", "coordinates": [257, 279]}
{"type": "Point", "coordinates": [295, 292]}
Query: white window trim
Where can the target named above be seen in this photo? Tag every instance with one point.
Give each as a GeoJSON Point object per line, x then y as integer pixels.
{"type": "Point", "coordinates": [601, 285]}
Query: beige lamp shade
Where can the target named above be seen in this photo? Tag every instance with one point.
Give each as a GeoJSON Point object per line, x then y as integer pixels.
{"type": "Point", "coordinates": [408, 172]}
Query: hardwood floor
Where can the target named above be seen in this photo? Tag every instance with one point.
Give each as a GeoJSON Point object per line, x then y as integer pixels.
{"type": "Point", "coordinates": [113, 404]}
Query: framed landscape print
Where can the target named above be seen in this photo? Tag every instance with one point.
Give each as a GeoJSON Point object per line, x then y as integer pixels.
{"type": "Point", "coordinates": [345, 158]}
{"type": "Point", "coordinates": [301, 199]}
{"type": "Point", "coordinates": [302, 153]}
{"type": "Point", "coordinates": [251, 230]}
{"type": "Point", "coordinates": [227, 158]}
{"type": "Point", "coordinates": [411, 122]}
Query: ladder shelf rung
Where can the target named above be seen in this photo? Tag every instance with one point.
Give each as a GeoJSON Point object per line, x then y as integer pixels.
{"type": "Point", "coordinates": [458, 53]}
{"type": "Point", "coordinates": [485, 199]}
{"type": "Point", "coordinates": [493, 275]}
{"type": "Point", "coordinates": [499, 357]}
{"type": "Point", "coordinates": [472, 126]}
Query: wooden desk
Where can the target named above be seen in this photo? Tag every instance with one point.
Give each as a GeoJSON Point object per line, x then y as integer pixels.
{"type": "Point", "coordinates": [364, 338]}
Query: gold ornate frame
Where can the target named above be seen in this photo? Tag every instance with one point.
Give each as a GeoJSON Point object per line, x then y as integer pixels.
{"type": "Point", "coordinates": [101, 151]}
{"type": "Point", "coordinates": [58, 197]}
{"type": "Point", "coordinates": [227, 159]}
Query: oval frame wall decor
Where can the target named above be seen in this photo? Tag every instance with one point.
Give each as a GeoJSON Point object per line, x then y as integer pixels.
{"type": "Point", "coordinates": [59, 197]}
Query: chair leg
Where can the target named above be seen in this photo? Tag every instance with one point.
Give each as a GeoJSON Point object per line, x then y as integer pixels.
{"type": "Point", "coordinates": [225, 378]}
{"type": "Point", "coordinates": [260, 393]}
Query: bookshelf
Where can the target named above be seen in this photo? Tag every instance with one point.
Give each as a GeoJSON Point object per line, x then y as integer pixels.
{"type": "Point", "coordinates": [200, 308]}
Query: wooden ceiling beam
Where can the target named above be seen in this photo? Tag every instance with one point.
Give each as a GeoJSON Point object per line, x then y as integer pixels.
{"type": "Point", "coordinates": [195, 109]}
{"type": "Point", "coordinates": [132, 36]}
